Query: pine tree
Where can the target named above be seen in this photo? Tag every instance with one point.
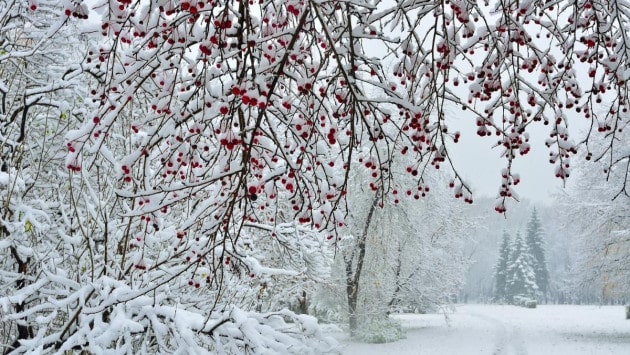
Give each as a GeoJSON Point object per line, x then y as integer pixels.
{"type": "Point", "coordinates": [521, 280]}
{"type": "Point", "coordinates": [501, 269]}
{"type": "Point", "coordinates": [536, 246]}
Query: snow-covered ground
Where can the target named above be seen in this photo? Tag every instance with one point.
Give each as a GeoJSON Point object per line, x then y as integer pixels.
{"type": "Point", "coordinates": [503, 330]}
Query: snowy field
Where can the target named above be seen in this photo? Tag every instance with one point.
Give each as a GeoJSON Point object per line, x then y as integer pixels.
{"type": "Point", "coordinates": [503, 330]}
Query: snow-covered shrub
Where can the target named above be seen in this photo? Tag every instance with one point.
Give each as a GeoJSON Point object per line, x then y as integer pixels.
{"type": "Point", "coordinates": [334, 314]}
{"type": "Point", "coordinates": [525, 302]}
{"type": "Point", "coordinates": [380, 330]}
{"type": "Point", "coordinates": [530, 304]}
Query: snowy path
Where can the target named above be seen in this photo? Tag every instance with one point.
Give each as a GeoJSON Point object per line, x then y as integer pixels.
{"type": "Point", "coordinates": [507, 338]}
{"type": "Point", "coordinates": [509, 330]}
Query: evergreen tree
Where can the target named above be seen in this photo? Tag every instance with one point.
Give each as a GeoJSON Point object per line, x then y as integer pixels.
{"type": "Point", "coordinates": [536, 246]}
{"type": "Point", "coordinates": [501, 269]}
{"type": "Point", "coordinates": [521, 280]}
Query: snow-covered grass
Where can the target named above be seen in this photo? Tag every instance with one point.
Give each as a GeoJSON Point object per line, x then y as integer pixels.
{"type": "Point", "coordinates": [494, 329]}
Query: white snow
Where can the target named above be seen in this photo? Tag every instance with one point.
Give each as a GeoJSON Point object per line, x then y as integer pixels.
{"type": "Point", "coordinates": [504, 330]}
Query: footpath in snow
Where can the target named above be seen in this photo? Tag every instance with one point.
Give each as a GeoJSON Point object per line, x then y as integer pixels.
{"type": "Point", "coordinates": [507, 330]}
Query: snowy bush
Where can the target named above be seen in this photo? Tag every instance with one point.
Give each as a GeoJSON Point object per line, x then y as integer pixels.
{"type": "Point", "coordinates": [530, 304]}
{"type": "Point", "coordinates": [335, 314]}
{"type": "Point", "coordinates": [525, 302]}
{"type": "Point", "coordinates": [380, 330]}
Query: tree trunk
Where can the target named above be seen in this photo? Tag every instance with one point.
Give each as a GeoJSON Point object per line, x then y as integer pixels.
{"type": "Point", "coordinates": [353, 278]}
{"type": "Point", "coordinates": [303, 303]}
{"type": "Point", "coordinates": [24, 331]}
{"type": "Point", "coordinates": [392, 301]}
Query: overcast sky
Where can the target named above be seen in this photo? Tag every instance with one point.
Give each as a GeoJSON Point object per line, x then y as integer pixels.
{"type": "Point", "coordinates": [481, 165]}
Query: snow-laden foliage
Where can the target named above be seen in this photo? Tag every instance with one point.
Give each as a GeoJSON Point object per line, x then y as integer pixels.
{"type": "Point", "coordinates": [173, 186]}
{"type": "Point", "coordinates": [600, 228]}
{"type": "Point", "coordinates": [501, 269]}
{"type": "Point", "coordinates": [39, 101]}
{"type": "Point", "coordinates": [535, 240]}
{"type": "Point", "coordinates": [521, 277]}
{"type": "Point", "coordinates": [404, 256]}
{"type": "Point", "coordinates": [380, 330]}
{"type": "Point", "coordinates": [81, 270]}
{"type": "Point", "coordinates": [518, 263]}
{"type": "Point", "coordinates": [270, 100]}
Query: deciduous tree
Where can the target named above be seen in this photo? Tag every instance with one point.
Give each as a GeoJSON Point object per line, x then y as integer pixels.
{"type": "Point", "coordinates": [600, 225]}
{"type": "Point", "coordinates": [405, 254]}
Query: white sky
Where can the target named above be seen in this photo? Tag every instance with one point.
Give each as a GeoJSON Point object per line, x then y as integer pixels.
{"type": "Point", "coordinates": [480, 164]}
